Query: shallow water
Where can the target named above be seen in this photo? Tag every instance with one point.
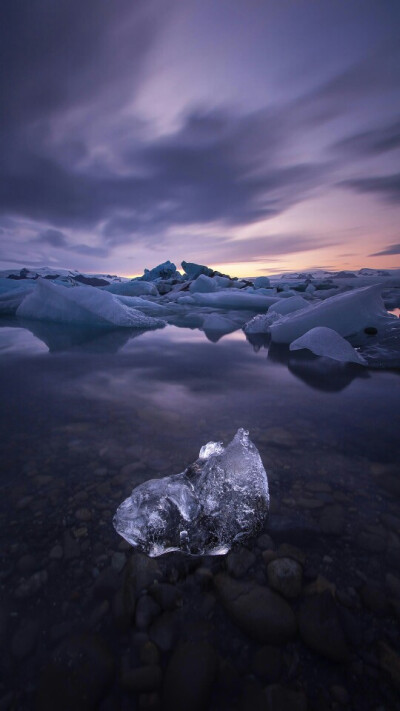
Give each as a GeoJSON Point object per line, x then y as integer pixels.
{"type": "Point", "coordinates": [85, 417]}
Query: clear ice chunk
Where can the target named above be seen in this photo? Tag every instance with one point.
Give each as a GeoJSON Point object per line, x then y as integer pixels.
{"type": "Point", "coordinates": [221, 498]}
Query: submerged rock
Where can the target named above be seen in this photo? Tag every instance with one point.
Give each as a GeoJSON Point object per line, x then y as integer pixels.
{"type": "Point", "coordinates": [219, 499]}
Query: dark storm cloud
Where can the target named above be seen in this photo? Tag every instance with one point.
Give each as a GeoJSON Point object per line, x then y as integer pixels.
{"type": "Point", "coordinates": [391, 249]}
{"type": "Point", "coordinates": [375, 74]}
{"type": "Point", "coordinates": [373, 142]}
{"type": "Point", "coordinates": [58, 55]}
{"type": "Point", "coordinates": [57, 239]}
{"type": "Point", "coordinates": [386, 186]}
{"type": "Point", "coordinates": [216, 167]}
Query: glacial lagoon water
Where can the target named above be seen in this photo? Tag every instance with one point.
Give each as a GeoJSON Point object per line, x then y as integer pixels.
{"type": "Point", "coordinates": [85, 417]}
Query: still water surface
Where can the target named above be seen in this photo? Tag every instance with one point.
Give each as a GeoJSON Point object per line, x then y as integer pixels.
{"type": "Point", "coordinates": [85, 417]}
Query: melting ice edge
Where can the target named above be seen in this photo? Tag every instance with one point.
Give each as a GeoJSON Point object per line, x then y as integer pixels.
{"type": "Point", "coordinates": [221, 498]}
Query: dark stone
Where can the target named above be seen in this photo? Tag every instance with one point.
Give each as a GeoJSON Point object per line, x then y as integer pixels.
{"type": "Point", "coordinates": [24, 640]}
{"type": "Point", "coordinates": [107, 583]}
{"type": "Point", "coordinates": [166, 595]}
{"type": "Point", "coordinates": [189, 677]}
{"type": "Point", "coordinates": [164, 632]}
{"type": "Point", "coordinates": [146, 611]}
{"type": "Point", "coordinates": [259, 612]}
{"type": "Point", "coordinates": [78, 676]}
{"type": "Point", "coordinates": [320, 627]}
{"type": "Point", "coordinates": [239, 561]}
{"type": "Point", "coordinates": [374, 597]}
{"type": "Point", "coordinates": [267, 663]}
{"type": "Point", "coordinates": [147, 678]}
{"type": "Point", "coordinates": [280, 699]}
{"type": "Point", "coordinates": [332, 520]}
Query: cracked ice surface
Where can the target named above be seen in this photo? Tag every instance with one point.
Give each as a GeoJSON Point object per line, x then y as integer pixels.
{"type": "Point", "coordinates": [219, 499]}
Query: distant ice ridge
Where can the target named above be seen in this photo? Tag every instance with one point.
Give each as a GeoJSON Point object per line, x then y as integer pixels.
{"type": "Point", "coordinates": [326, 342]}
{"type": "Point", "coordinates": [83, 305]}
{"type": "Point", "coordinates": [221, 498]}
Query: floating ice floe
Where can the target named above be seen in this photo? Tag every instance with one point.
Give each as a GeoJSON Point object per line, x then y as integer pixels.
{"type": "Point", "coordinates": [133, 288]}
{"type": "Point", "coordinates": [221, 498]}
{"type": "Point", "coordinates": [262, 322]}
{"type": "Point", "coordinates": [85, 305]}
{"type": "Point", "coordinates": [203, 284]}
{"type": "Point", "coordinates": [235, 299]}
{"type": "Point", "coordinates": [323, 341]}
{"type": "Point", "coordinates": [347, 313]}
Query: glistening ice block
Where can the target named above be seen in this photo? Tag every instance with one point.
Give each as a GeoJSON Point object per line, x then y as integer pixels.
{"type": "Point", "coordinates": [219, 499]}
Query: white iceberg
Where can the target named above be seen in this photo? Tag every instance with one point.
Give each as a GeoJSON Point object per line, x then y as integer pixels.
{"type": "Point", "coordinates": [221, 498]}
{"type": "Point", "coordinates": [203, 284]}
{"type": "Point", "coordinates": [235, 299]}
{"type": "Point", "coordinates": [347, 313]}
{"type": "Point", "coordinates": [84, 305]}
{"type": "Point", "coordinates": [262, 322]}
{"type": "Point", "coordinates": [323, 341]}
{"type": "Point", "coordinates": [133, 288]}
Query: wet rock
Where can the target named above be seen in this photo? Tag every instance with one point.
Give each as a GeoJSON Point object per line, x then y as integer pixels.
{"type": "Point", "coordinates": [340, 694]}
{"type": "Point", "coordinates": [24, 640]}
{"type": "Point", "coordinates": [149, 653]}
{"type": "Point", "coordinates": [286, 550]}
{"type": "Point", "coordinates": [278, 698]}
{"type": "Point", "coordinates": [164, 632]}
{"type": "Point", "coordinates": [332, 520]}
{"type": "Point", "coordinates": [118, 560]}
{"type": "Point", "coordinates": [320, 585]}
{"type": "Point", "coordinates": [106, 583]}
{"type": "Point", "coordinates": [147, 678]}
{"type": "Point", "coordinates": [56, 553]}
{"type": "Point", "coordinates": [77, 677]}
{"type": "Point", "coordinates": [141, 572]}
{"type": "Point", "coordinates": [393, 585]}
{"type": "Point", "coordinates": [166, 595]}
{"type": "Point", "coordinates": [83, 515]}
{"type": "Point", "coordinates": [373, 596]}
{"type": "Point", "coordinates": [146, 611]}
{"type": "Point", "coordinates": [71, 547]}
{"type": "Point", "coordinates": [27, 564]}
{"type": "Point", "coordinates": [189, 677]}
{"type": "Point", "coordinates": [31, 586]}
{"type": "Point", "coordinates": [253, 697]}
{"type": "Point", "coordinates": [320, 627]}
{"type": "Point", "coordinates": [239, 561]}
{"type": "Point", "coordinates": [259, 612]}
{"type": "Point", "coordinates": [372, 539]}
{"type": "Point", "coordinates": [265, 542]}
{"type": "Point", "coordinates": [267, 663]}
{"type": "Point", "coordinates": [389, 661]}
{"type": "Point", "coordinates": [285, 576]}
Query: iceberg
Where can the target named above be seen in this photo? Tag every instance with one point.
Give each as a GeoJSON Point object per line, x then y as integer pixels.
{"type": "Point", "coordinates": [84, 305]}
{"type": "Point", "coordinates": [262, 322]}
{"type": "Point", "coordinates": [133, 288]}
{"type": "Point", "coordinates": [221, 498]}
{"type": "Point", "coordinates": [203, 284]}
{"type": "Point", "coordinates": [193, 270]}
{"type": "Point", "coordinates": [324, 341]}
{"type": "Point", "coordinates": [232, 299]}
{"type": "Point", "coordinates": [262, 282]}
{"type": "Point", "coordinates": [347, 313]}
{"type": "Point", "coordinates": [166, 270]}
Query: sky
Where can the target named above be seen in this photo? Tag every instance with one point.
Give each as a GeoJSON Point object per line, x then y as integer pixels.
{"type": "Point", "coordinates": [255, 136]}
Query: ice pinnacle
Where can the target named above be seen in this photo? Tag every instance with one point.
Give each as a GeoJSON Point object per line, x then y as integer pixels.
{"type": "Point", "coordinates": [218, 500]}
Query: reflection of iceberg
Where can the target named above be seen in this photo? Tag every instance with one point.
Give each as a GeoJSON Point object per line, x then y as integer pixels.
{"type": "Point", "coordinates": [347, 313]}
{"type": "Point", "coordinates": [83, 305]}
{"type": "Point", "coordinates": [324, 373]}
{"type": "Point", "coordinates": [221, 498]}
{"type": "Point", "coordinates": [326, 342]}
